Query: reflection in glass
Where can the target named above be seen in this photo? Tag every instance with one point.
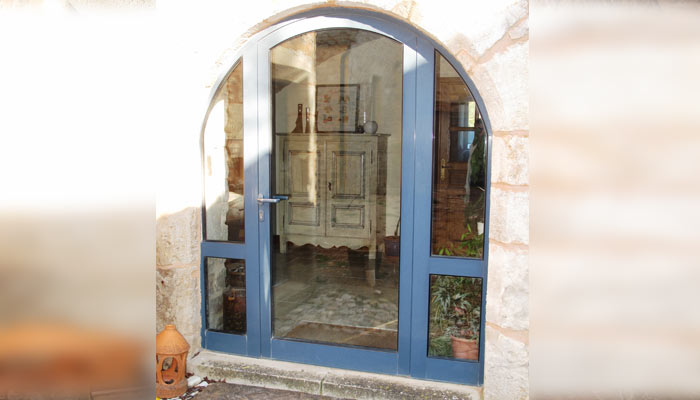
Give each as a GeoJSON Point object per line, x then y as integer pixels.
{"type": "Point", "coordinates": [337, 104]}
{"type": "Point", "coordinates": [459, 168]}
{"type": "Point", "coordinates": [223, 162]}
{"type": "Point", "coordinates": [455, 317]}
{"type": "Point", "coordinates": [226, 299]}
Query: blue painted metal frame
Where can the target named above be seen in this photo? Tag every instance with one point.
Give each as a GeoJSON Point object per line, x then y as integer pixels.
{"type": "Point", "coordinates": [248, 344]}
{"type": "Point", "coordinates": [422, 366]}
{"type": "Point", "coordinates": [416, 262]}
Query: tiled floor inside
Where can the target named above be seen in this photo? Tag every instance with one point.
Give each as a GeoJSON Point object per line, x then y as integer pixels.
{"type": "Point", "coordinates": [335, 295]}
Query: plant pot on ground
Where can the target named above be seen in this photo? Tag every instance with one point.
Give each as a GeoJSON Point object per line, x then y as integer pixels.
{"type": "Point", "coordinates": [465, 344]}
{"type": "Point", "coordinates": [465, 349]}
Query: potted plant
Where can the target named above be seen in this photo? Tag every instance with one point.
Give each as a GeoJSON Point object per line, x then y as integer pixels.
{"type": "Point", "coordinates": [455, 316]}
{"type": "Point", "coordinates": [465, 337]}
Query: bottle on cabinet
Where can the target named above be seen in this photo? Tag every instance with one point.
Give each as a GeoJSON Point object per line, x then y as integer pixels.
{"type": "Point", "coordinates": [308, 121]}
{"type": "Point", "coordinates": [299, 126]}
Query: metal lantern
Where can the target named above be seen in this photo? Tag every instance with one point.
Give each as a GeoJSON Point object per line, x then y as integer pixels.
{"type": "Point", "coordinates": [171, 363]}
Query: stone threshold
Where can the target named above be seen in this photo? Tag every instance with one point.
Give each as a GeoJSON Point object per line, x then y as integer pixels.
{"type": "Point", "coordinates": [324, 381]}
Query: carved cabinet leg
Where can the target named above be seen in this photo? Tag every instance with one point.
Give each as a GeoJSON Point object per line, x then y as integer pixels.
{"type": "Point", "coordinates": [283, 244]}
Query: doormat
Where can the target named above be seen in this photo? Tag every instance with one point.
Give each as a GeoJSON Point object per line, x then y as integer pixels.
{"type": "Point", "coordinates": [344, 334]}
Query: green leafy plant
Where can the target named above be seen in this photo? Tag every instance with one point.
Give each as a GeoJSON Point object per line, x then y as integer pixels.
{"type": "Point", "coordinates": [469, 245]}
{"type": "Point", "coordinates": [455, 311]}
{"type": "Point", "coordinates": [440, 346]}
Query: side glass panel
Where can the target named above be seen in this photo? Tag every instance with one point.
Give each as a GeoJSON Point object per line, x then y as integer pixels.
{"type": "Point", "coordinates": [459, 168]}
{"type": "Point", "coordinates": [455, 317]}
{"type": "Point", "coordinates": [223, 162]}
{"type": "Point", "coordinates": [226, 299]}
{"type": "Point", "coordinates": [337, 119]}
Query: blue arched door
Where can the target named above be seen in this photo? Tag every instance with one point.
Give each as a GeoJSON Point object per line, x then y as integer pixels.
{"type": "Point", "coordinates": [345, 201]}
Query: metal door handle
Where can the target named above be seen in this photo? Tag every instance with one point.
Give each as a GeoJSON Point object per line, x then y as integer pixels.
{"type": "Point", "coordinates": [273, 200]}
{"type": "Point", "coordinates": [262, 200]}
{"type": "Point", "coordinates": [443, 166]}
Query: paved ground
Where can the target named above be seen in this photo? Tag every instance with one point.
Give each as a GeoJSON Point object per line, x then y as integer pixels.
{"type": "Point", "coordinates": [226, 391]}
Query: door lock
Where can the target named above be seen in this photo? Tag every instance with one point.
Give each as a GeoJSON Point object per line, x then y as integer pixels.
{"type": "Point", "coordinates": [272, 200]}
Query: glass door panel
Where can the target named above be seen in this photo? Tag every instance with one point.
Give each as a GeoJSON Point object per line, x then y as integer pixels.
{"type": "Point", "coordinates": [230, 308]}
{"type": "Point", "coordinates": [451, 252]}
{"type": "Point", "coordinates": [459, 168]}
{"type": "Point", "coordinates": [226, 300]}
{"type": "Point", "coordinates": [337, 99]}
{"type": "Point", "coordinates": [223, 162]}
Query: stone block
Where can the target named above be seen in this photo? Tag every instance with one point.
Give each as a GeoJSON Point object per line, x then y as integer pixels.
{"type": "Point", "coordinates": [258, 372]}
{"type": "Point", "coordinates": [216, 279]}
{"type": "Point", "coordinates": [507, 297]}
{"type": "Point", "coordinates": [403, 8]}
{"type": "Point", "coordinates": [331, 382]}
{"type": "Point", "coordinates": [520, 30]}
{"type": "Point", "coordinates": [503, 83]}
{"type": "Point", "coordinates": [506, 375]}
{"type": "Point", "coordinates": [474, 26]}
{"type": "Point", "coordinates": [510, 216]}
{"type": "Point", "coordinates": [178, 236]}
{"type": "Point", "coordinates": [466, 60]}
{"type": "Point", "coordinates": [386, 5]}
{"type": "Point", "coordinates": [178, 301]}
{"type": "Point", "coordinates": [510, 160]}
{"type": "Point", "coordinates": [352, 385]}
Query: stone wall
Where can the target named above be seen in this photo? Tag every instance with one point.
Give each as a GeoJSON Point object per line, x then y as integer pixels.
{"type": "Point", "coordinates": [490, 39]}
{"type": "Point", "coordinates": [178, 293]}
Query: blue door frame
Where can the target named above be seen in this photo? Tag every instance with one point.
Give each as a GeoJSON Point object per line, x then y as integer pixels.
{"type": "Point", "coordinates": [416, 263]}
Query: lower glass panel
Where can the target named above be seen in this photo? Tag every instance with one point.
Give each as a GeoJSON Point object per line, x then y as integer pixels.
{"type": "Point", "coordinates": [226, 296]}
{"type": "Point", "coordinates": [335, 295]}
{"type": "Point", "coordinates": [455, 317]}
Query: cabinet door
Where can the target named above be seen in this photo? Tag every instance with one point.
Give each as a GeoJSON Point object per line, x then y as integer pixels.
{"type": "Point", "coordinates": [302, 168]}
{"type": "Point", "coordinates": [349, 169]}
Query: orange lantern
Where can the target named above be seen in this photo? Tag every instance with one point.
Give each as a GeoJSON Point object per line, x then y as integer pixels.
{"type": "Point", "coordinates": [171, 363]}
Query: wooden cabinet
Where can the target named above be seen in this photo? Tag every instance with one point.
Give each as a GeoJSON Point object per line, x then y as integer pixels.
{"type": "Point", "coordinates": [336, 185]}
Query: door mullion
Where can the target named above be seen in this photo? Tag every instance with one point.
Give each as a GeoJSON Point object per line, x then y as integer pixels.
{"type": "Point", "coordinates": [250, 151]}
{"type": "Point", "coordinates": [407, 204]}
{"type": "Point", "coordinates": [262, 161]}
{"type": "Point", "coordinates": [422, 206]}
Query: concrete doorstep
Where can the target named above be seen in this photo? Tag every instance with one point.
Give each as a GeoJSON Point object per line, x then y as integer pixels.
{"type": "Point", "coordinates": [324, 381]}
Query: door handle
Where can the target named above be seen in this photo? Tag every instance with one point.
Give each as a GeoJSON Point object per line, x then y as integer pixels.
{"type": "Point", "coordinates": [443, 166]}
{"type": "Point", "coordinates": [264, 200]}
{"type": "Point", "coordinates": [272, 200]}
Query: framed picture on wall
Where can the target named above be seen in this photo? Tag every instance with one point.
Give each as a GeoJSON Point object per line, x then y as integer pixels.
{"type": "Point", "coordinates": [337, 107]}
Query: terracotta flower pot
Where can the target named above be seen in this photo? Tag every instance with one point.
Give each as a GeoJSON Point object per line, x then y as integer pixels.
{"type": "Point", "coordinates": [465, 349]}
